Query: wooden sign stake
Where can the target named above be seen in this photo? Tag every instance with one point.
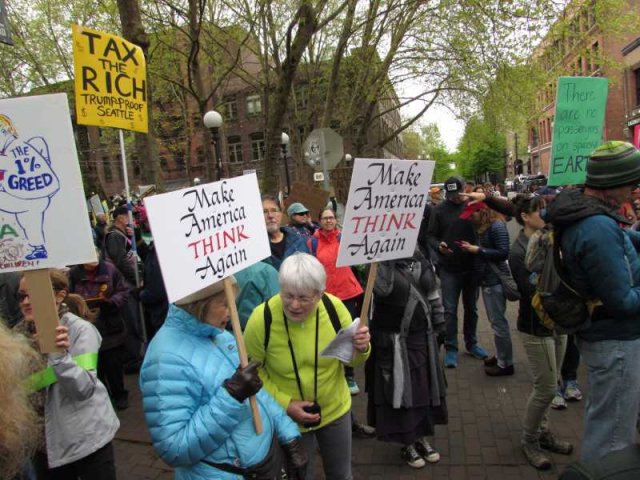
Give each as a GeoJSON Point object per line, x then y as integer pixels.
{"type": "Point", "coordinates": [371, 280]}
{"type": "Point", "coordinates": [242, 350]}
{"type": "Point", "coordinates": [45, 312]}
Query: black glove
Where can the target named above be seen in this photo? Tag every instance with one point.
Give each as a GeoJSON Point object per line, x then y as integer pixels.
{"type": "Point", "coordinates": [295, 460]}
{"type": "Point", "coordinates": [244, 383]}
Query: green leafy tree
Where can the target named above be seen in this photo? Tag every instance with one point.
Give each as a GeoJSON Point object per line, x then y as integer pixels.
{"type": "Point", "coordinates": [481, 151]}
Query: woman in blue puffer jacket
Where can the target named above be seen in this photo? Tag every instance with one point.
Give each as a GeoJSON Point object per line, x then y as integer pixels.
{"type": "Point", "coordinates": [196, 399]}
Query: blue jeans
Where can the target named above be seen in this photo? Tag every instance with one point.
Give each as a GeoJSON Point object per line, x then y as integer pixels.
{"type": "Point", "coordinates": [496, 304]}
{"type": "Point", "coordinates": [453, 284]}
{"type": "Point", "coordinates": [611, 410]}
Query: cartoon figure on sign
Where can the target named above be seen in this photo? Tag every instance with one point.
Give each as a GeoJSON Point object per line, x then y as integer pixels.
{"type": "Point", "coordinates": [27, 183]}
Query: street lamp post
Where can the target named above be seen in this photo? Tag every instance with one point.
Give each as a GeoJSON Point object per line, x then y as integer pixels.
{"type": "Point", "coordinates": [213, 121]}
{"type": "Point", "coordinates": [284, 141]}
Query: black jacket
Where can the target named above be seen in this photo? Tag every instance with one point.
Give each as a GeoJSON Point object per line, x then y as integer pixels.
{"type": "Point", "coordinates": [445, 225]}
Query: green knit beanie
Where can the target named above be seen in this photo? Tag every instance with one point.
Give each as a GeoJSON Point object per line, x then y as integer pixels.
{"type": "Point", "coordinates": [613, 164]}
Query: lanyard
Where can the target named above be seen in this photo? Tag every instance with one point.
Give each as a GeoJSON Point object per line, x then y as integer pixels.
{"type": "Point", "coordinates": [295, 364]}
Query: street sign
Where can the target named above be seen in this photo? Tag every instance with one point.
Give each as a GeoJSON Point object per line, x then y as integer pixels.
{"type": "Point", "coordinates": [324, 143]}
{"type": "Point", "coordinates": [318, 177]}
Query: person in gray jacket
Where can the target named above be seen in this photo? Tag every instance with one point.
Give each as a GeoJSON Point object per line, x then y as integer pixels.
{"type": "Point", "coordinates": [79, 421]}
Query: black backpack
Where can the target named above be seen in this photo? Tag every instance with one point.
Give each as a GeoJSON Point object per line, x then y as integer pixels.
{"type": "Point", "coordinates": [558, 305]}
{"type": "Point", "coordinates": [328, 304]}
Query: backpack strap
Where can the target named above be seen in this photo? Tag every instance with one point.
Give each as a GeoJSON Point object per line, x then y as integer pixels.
{"type": "Point", "coordinates": [312, 245]}
{"type": "Point", "coordinates": [559, 266]}
{"type": "Point", "coordinates": [328, 305]}
{"type": "Point", "coordinates": [331, 310]}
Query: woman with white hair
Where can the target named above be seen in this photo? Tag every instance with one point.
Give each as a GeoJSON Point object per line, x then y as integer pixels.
{"type": "Point", "coordinates": [196, 399]}
{"type": "Point", "coordinates": [287, 334]}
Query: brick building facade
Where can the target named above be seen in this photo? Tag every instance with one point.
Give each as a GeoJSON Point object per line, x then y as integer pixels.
{"type": "Point", "coordinates": [578, 48]}
{"type": "Point", "coordinates": [182, 144]}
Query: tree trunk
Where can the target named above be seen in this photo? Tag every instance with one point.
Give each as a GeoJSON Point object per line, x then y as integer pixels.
{"type": "Point", "coordinates": [306, 23]}
{"type": "Point", "coordinates": [146, 145]}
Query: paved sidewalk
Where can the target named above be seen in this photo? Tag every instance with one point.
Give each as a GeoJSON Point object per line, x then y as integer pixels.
{"type": "Point", "coordinates": [481, 441]}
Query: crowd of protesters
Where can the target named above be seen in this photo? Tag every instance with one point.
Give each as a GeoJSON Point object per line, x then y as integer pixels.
{"type": "Point", "coordinates": [60, 423]}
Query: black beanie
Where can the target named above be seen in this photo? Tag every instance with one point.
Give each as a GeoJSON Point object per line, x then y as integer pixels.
{"type": "Point", "coordinates": [121, 210]}
{"type": "Point", "coordinates": [613, 164]}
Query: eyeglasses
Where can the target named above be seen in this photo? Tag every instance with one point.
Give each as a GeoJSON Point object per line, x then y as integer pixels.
{"type": "Point", "coordinates": [302, 299]}
{"type": "Point", "coordinates": [326, 219]}
{"type": "Point", "coordinates": [270, 211]}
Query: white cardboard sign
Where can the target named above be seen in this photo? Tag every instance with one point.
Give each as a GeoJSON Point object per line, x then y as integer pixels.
{"type": "Point", "coordinates": [207, 232]}
{"type": "Point", "coordinates": [384, 210]}
{"type": "Point", "coordinates": [43, 216]}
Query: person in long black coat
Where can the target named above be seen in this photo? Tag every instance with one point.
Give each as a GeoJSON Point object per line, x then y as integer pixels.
{"type": "Point", "coordinates": [405, 380]}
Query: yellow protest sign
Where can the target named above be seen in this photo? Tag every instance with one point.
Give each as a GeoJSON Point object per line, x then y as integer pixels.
{"type": "Point", "coordinates": [111, 81]}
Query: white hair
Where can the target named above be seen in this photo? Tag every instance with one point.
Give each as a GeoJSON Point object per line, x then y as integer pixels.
{"type": "Point", "coordinates": [302, 273]}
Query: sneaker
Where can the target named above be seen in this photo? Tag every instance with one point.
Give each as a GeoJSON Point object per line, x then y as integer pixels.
{"type": "Point", "coordinates": [451, 359]}
{"type": "Point", "coordinates": [572, 392]}
{"type": "Point", "coordinates": [536, 456]}
{"type": "Point", "coordinates": [412, 458]}
{"type": "Point", "coordinates": [548, 441]}
{"type": "Point", "coordinates": [496, 371]}
{"type": "Point", "coordinates": [360, 430]}
{"type": "Point", "coordinates": [426, 451]}
{"type": "Point", "coordinates": [558, 402]}
{"type": "Point", "coordinates": [353, 386]}
{"type": "Point", "coordinates": [478, 352]}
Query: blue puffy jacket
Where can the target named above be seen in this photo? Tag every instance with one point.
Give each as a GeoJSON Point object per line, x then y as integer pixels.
{"type": "Point", "coordinates": [190, 415]}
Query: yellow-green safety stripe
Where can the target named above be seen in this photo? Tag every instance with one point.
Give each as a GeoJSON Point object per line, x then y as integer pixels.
{"type": "Point", "coordinates": [46, 377]}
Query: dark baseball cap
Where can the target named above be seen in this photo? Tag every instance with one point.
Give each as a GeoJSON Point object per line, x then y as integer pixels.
{"type": "Point", "coordinates": [453, 186]}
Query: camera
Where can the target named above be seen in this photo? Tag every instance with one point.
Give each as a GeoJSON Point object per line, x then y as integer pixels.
{"type": "Point", "coordinates": [313, 408]}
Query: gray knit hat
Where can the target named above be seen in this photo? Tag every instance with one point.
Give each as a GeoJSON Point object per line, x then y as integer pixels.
{"type": "Point", "coordinates": [613, 164]}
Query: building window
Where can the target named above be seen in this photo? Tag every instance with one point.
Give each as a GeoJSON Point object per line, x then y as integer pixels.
{"type": "Point", "coordinates": [636, 74]}
{"type": "Point", "coordinates": [106, 166]}
{"type": "Point", "coordinates": [254, 105]}
{"type": "Point", "coordinates": [200, 155]}
{"type": "Point", "coordinates": [235, 149]}
{"type": "Point", "coordinates": [594, 64]}
{"type": "Point", "coordinates": [230, 109]}
{"type": "Point", "coordinates": [119, 167]}
{"type": "Point", "coordinates": [178, 159]}
{"type": "Point", "coordinates": [257, 146]}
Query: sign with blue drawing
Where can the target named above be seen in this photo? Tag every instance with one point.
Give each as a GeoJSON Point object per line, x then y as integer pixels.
{"type": "Point", "coordinates": [43, 217]}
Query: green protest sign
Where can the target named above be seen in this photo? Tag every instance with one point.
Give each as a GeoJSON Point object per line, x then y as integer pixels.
{"type": "Point", "coordinates": [577, 129]}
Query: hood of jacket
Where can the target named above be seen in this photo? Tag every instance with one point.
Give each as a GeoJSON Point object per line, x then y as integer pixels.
{"type": "Point", "coordinates": [572, 205]}
{"type": "Point", "coordinates": [328, 234]}
{"type": "Point", "coordinates": [182, 320]}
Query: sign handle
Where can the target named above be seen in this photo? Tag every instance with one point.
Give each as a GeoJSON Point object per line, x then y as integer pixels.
{"type": "Point", "coordinates": [45, 312]}
{"type": "Point", "coordinates": [125, 172]}
{"type": "Point", "coordinates": [371, 280]}
{"type": "Point", "coordinates": [242, 350]}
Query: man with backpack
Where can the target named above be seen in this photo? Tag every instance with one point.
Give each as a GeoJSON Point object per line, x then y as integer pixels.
{"type": "Point", "coordinates": [599, 261]}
